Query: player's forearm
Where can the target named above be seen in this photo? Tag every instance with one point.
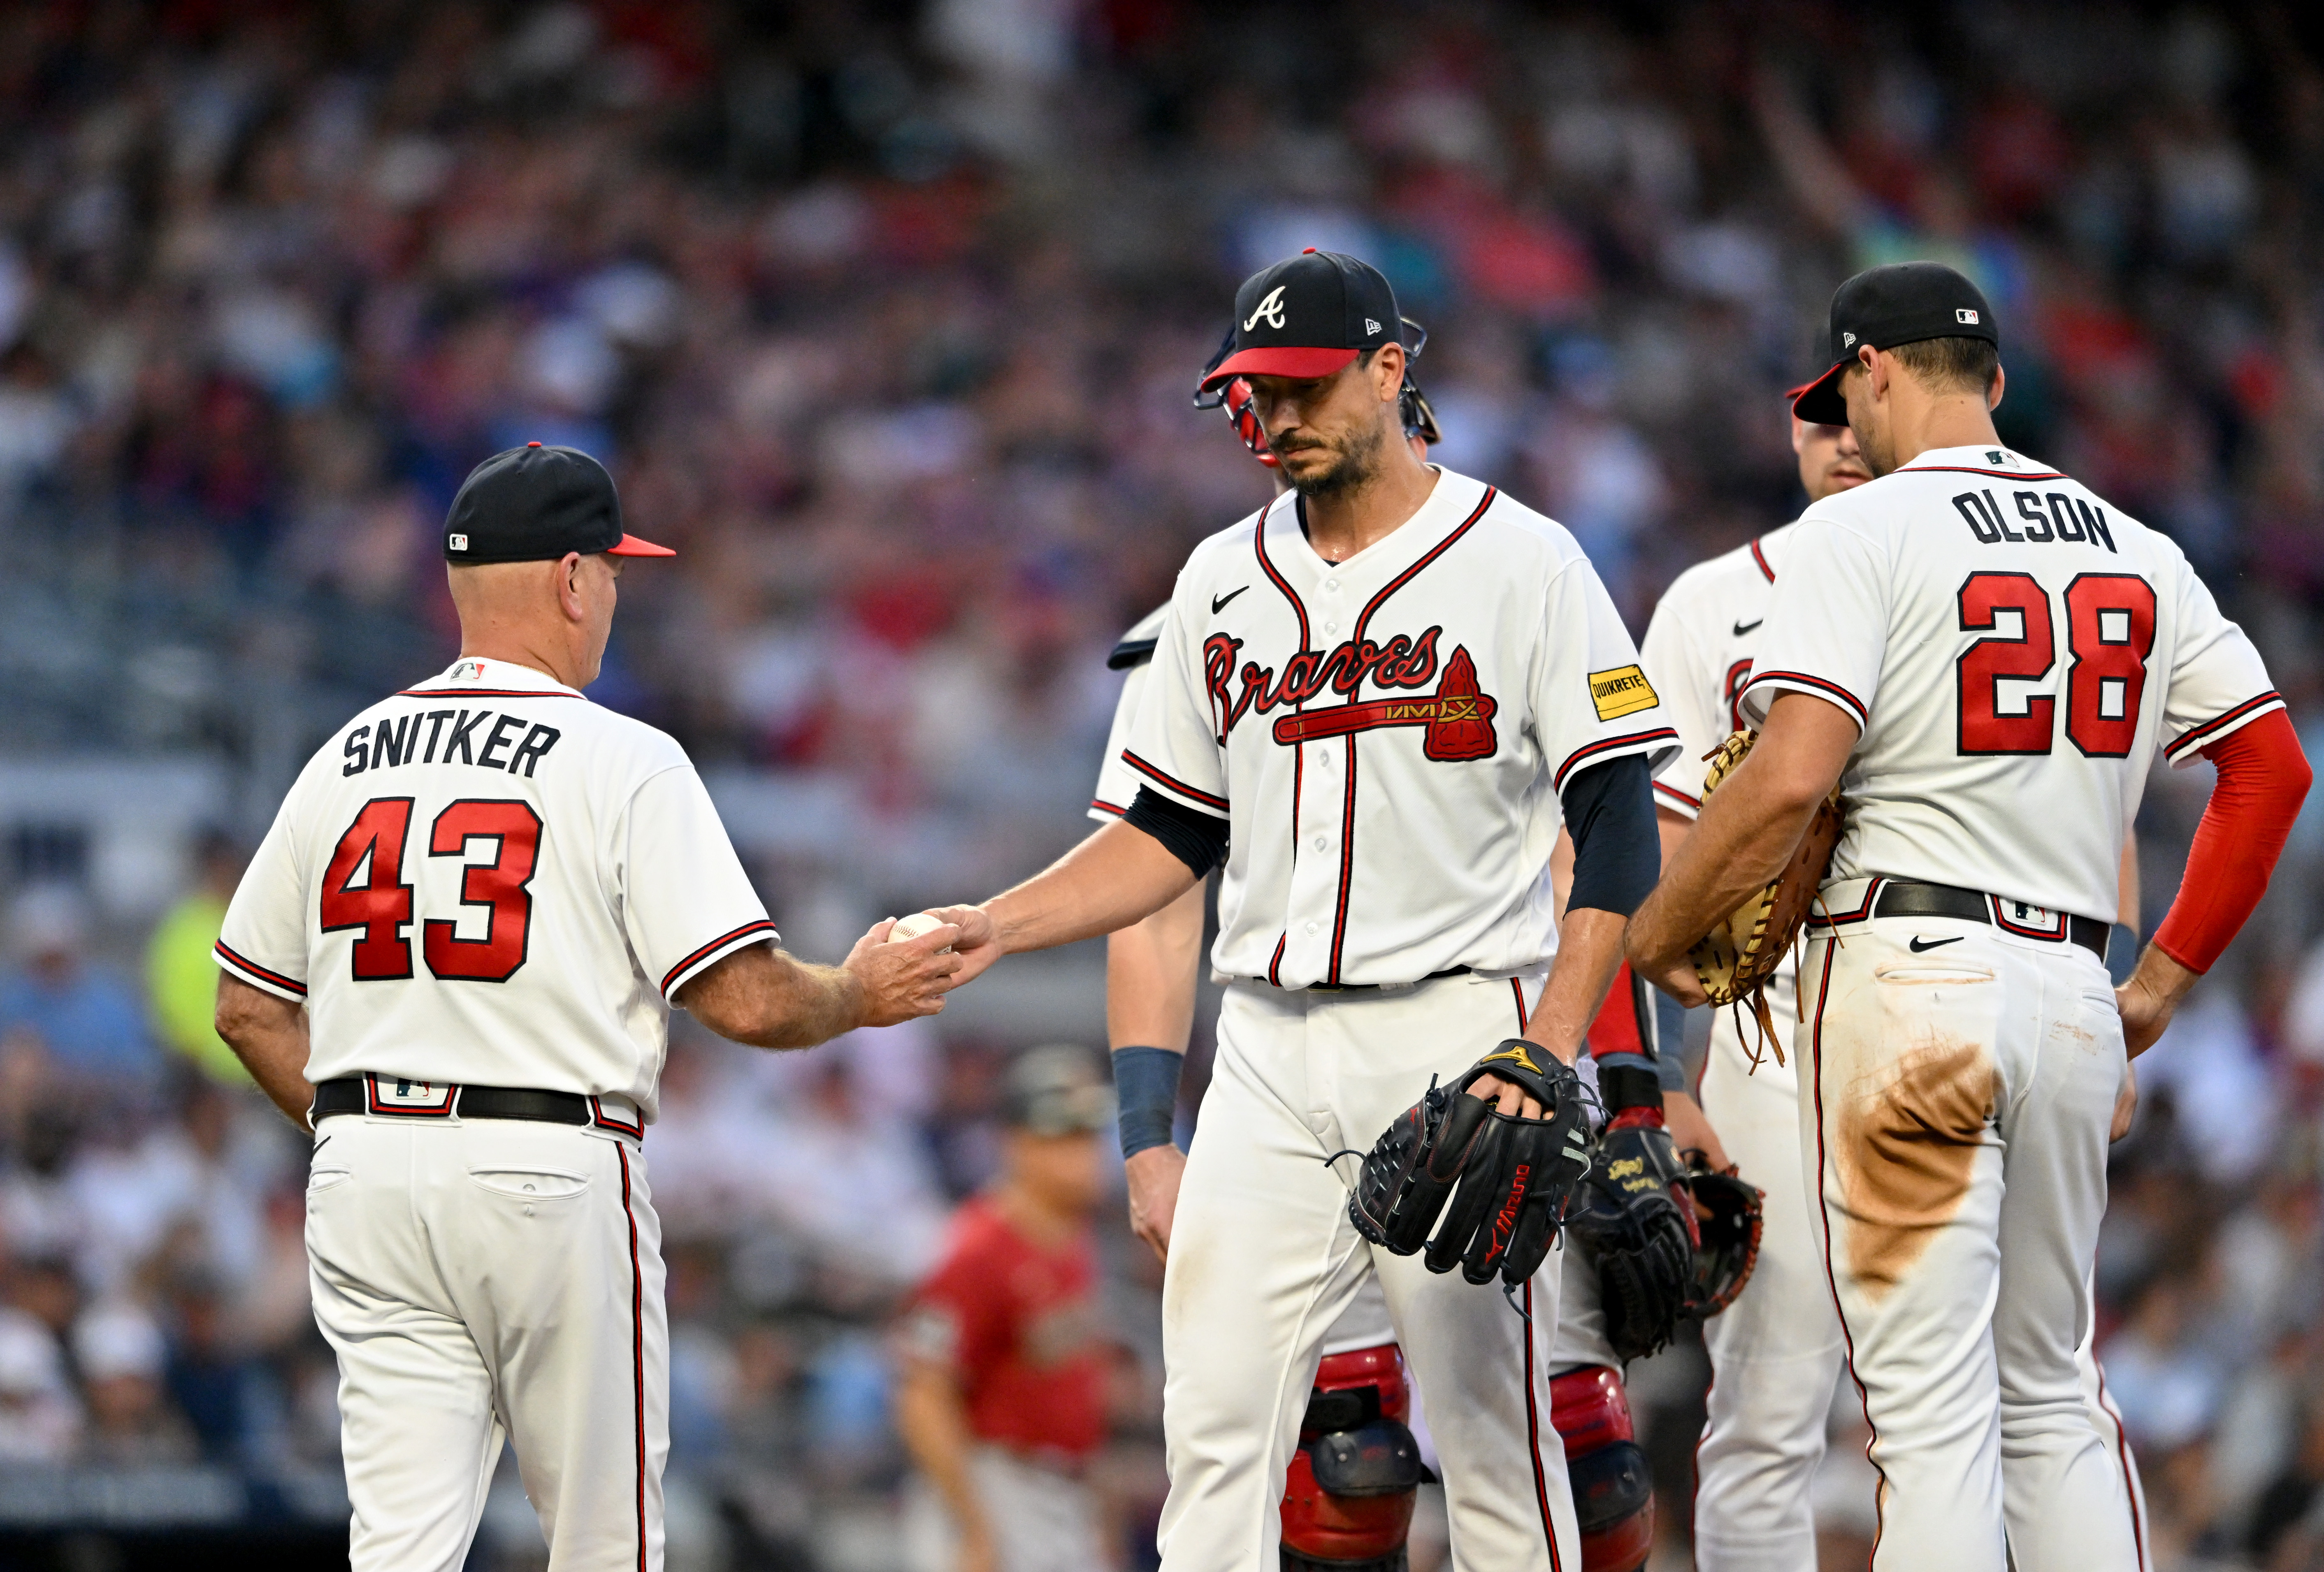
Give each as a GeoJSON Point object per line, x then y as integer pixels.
{"type": "Point", "coordinates": [769, 999]}
{"type": "Point", "coordinates": [1117, 876]}
{"type": "Point", "coordinates": [1589, 953]}
{"type": "Point", "coordinates": [1748, 831]}
{"type": "Point", "coordinates": [269, 1035]}
{"type": "Point", "coordinates": [934, 1427]}
{"type": "Point", "coordinates": [1149, 977]}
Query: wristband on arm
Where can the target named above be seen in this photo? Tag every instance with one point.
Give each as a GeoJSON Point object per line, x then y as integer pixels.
{"type": "Point", "coordinates": [1146, 1087]}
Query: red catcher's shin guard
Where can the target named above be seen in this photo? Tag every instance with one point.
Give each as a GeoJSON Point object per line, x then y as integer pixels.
{"type": "Point", "coordinates": [1613, 1495]}
{"type": "Point", "coordinates": [1348, 1497]}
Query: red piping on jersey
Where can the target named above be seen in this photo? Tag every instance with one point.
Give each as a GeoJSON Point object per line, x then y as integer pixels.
{"type": "Point", "coordinates": [483, 693]}
{"type": "Point", "coordinates": [1964, 469]}
{"type": "Point", "coordinates": [1171, 782]}
{"type": "Point", "coordinates": [1606, 745]}
{"type": "Point", "coordinates": [1275, 967]}
{"type": "Point", "coordinates": [260, 972]}
{"type": "Point", "coordinates": [1822, 684]}
{"type": "Point", "coordinates": [637, 1345]}
{"type": "Point", "coordinates": [1863, 908]}
{"type": "Point", "coordinates": [1760, 557]}
{"type": "Point", "coordinates": [1517, 989]}
{"type": "Point", "coordinates": [1677, 796]}
{"type": "Point", "coordinates": [746, 931]}
{"type": "Point", "coordinates": [1348, 807]}
{"type": "Point", "coordinates": [1298, 755]}
{"type": "Point", "coordinates": [1103, 806]}
{"type": "Point", "coordinates": [2194, 736]}
{"type": "Point", "coordinates": [605, 1121]}
{"type": "Point", "coordinates": [2122, 1455]}
{"type": "Point", "coordinates": [1863, 1392]}
{"type": "Point", "coordinates": [1533, 1437]}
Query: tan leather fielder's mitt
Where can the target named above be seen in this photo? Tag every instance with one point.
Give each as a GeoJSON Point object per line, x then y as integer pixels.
{"type": "Point", "coordinates": [1735, 959]}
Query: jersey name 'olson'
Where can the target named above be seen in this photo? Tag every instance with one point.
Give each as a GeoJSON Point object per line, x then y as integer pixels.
{"type": "Point", "coordinates": [466, 739]}
{"type": "Point", "coordinates": [2046, 515]}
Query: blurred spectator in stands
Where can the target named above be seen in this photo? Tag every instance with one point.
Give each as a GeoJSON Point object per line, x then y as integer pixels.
{"type": "Point", "coordinates": [210, 1376]}
{"type": "Point", "coordinates": [122, 1355]}
{"type": "Point", "coordinates": [1000, 1398]}
{"type": "Point", "coordinates": [89, 1018]}
{"type": "Point", "coordinates": [849, 1176]}
{"type": "Point", "coordinates": [180, 975]}
{"type": "Point", "coordinates": [40, 1419]}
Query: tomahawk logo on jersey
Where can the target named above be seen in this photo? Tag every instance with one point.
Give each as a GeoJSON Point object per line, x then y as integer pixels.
{"type": "Point", "coordinates": [1319, 711]}
{"type": "Point", "coordinates": [2015, 651]}
{"type": "Point", "coordinates": [488, 880]}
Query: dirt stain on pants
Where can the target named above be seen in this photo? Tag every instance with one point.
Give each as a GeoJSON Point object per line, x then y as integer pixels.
{"type": "Point", "coordinates": [1909, 1134]}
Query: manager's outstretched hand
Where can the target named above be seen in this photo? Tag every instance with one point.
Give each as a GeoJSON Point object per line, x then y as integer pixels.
{"type": "Point", "coordinates": [904, 979]}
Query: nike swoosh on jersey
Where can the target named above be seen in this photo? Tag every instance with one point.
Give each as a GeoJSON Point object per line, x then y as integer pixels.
{"type": "Point", "coordinates": [1743, 628]}
{"type": "Point", "coordinates": [1917, 947]}
{"type": "Point", "coordinates": [1219, 603]}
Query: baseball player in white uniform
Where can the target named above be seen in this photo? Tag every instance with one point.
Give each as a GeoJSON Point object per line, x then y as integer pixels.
{"type": "Point", "coordinates": [1775, 1352]}
{"type": "Point", "coordinates": [1984, 658]}
{"type": "Point", "coordinates": [453, 958]}
{"type": "Point", "coordinates": [1384, 682]}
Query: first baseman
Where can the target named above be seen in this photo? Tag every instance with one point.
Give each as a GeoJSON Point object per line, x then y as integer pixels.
{"type": "Point", "coordinates": [453, 957]}
{"type": "Point", "coordinates": [1777, 1352]}
{"type": "Point", "coordinates": [1392, 684]}
{"type": "Point", "coordinates": [1984, 658]}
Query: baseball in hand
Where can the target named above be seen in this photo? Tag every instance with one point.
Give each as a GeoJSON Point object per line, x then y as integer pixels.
{"type": "Point", "coordinates": [913, 926]}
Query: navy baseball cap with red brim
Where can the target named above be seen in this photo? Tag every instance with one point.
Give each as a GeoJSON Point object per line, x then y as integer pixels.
{"type": "Point", "coordinates": [1307, 317]}
{"type": "Point", "coordinates": [536, 504]}
{"type": "Point", "coordinates": [1885, 306]}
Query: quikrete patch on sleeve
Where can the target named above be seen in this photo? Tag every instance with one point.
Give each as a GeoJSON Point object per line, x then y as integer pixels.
{"type": "Point", "coordinates": [1620, 691]}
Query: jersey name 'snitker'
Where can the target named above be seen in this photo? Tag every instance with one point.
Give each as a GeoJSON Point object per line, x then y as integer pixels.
{"type": "Point", "coordinates": [1387, 736]}
{"type": "Point", "coordinates": [2014, 650]}
{"type": "Point", "coordinates": [489, 880]}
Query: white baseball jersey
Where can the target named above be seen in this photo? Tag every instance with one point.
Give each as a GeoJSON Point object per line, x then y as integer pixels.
{"type": "Point", "coordinates": [487, 879]}
{"type": "Point", "coordinates": [1698, 651]}
{"type": "Point", "coordinates": [1117, 783]}
{"type": "Point", "coordinates": [1387, 736]}
{"type": "Point", "coordinates": [2014, 651]}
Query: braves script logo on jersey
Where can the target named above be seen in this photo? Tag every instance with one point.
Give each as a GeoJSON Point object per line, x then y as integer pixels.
{"type": "Point", "coordinates": [1457, 717]}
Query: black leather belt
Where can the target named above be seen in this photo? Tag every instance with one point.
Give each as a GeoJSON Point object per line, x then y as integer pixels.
{"type": "Point", "coordinates": [401, 1098]}
{"type": "Point", "coordinates": [1369, 987]}
{"type": "Point", "coordinates": [1907, 897]}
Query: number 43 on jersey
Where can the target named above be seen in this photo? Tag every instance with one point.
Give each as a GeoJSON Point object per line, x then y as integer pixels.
{"type": "Point", "coordinates": [365, 889]}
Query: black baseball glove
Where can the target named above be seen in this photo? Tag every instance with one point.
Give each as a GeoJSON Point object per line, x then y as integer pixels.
{"type": "Point", "coordinates": [1635, 1217]}
{"type": "Point", "coordinates": [1514, 1175]}
{"type": "Point", "coordinates": [1727, 1216]}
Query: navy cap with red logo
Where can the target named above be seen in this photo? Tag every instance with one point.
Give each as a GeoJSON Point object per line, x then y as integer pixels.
{"type": "Point", "coordinates": [1885, 306]}
{"type": "Point", "coordinates": [534, 504]}
{"type": "Point", "coordinates": [1307, 317]}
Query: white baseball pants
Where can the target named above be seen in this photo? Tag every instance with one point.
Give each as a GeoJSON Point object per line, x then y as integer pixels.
{"type": "Point", "coordinates": [488, 1277]}
{"type": "Point", "coordinates": [1263, 1261]}
{"type": "Point", "coordinates": [1957, 1087]}
{"type": "Point", "coordinates": [1777, 1351]}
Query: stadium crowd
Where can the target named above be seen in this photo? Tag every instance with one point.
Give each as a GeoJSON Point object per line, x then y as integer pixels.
{"type": "Point", "coordinates": [887, 316]}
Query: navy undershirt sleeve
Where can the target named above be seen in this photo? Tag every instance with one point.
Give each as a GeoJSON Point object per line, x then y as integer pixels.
{"type": "Point", "coordinates": [1617, 851]}
{"type": "Point", "coordinates": [1196, 839]}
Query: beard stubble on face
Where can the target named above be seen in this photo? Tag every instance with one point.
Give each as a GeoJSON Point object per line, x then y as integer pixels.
{"type": "Point", "coordinates": [1356, 464]}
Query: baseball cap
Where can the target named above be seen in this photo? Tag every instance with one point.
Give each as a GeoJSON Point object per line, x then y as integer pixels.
{"type": "Point", "coordinates": [534, 504]}
{"type": "Point", "coordinates": [1884, 307]}
{"type": "Point", "coordinates": [1055, 1090]}
{"type": "Point", "coordinates": [1307, 317]}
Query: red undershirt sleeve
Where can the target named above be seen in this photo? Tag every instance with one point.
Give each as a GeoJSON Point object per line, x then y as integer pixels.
{"type": "Point", "coordinates": [2263, 777]}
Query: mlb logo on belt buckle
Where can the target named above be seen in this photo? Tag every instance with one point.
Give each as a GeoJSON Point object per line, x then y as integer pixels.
{"type": "Point", "coordinates": [2027, 921]}
{"type": "Point", "coordinates": [386, 1095]}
